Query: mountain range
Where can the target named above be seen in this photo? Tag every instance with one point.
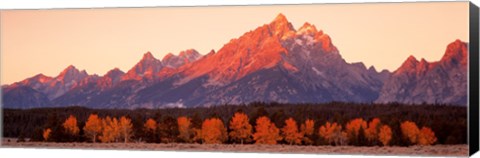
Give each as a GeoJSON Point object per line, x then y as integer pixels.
{"type": "Point", "coordinates": [272, 63]}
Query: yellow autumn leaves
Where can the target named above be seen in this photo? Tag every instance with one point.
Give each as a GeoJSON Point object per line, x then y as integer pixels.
{"type": "Point", "coordinates": [374, 132]}
{"type": "Point", "coordinates": [424, 136]}
{"type": "Point", "coordinates": [333, 134]}
{"type": "Point", "coordinates": [267, 132]}
{"type": "Point", "coordinates": [213, 131]}
{"type": "Point", "coordinates": [241, 128]}
{"type": "Point", "coordinates": [104, 129]}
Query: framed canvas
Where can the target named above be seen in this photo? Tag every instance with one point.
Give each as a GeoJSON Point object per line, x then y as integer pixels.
{"type": "Point", "coordinates": [349, 79]}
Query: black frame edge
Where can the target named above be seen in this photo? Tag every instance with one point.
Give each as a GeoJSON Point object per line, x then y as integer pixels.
{"type": "Point", "coordinates": [473, 135]}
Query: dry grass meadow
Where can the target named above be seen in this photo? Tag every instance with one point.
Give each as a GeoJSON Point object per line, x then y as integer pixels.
{"type": "Point", "coordinates": [435, 150]}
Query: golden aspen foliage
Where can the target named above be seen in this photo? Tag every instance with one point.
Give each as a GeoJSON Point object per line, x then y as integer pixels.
{"type": "Point", "coordinates": [372, 131]}
{"type": "Point", "coordinates": [93, 127]}
{"type": "Point", "coordinates": [290, 132]}
{"type": "Point", "coordinates": [426, 136]}
{"type": "Point", "coordinates": [340, 137]}
{"type": "Point", "coordinates": [353, 128]}
{"type": "Point", "coordinates": [125, 127]}
{"type": "Point", "coordinates": [385, 135]}
{"type": "Point", "coordinates": [110, 132]}
{"type": "Point", "coordinates": [46, 134]}
{"type": "Point", "coordinates": [150, 130]}
{"type": "Point", "coordinates": [150, 126]}
{"type": "Point", "coordinates": [241, 128]}
{"type": "Point", "coordinates": [307, 129]}
{"type": "Point", "coordinates": [266, 132]}
{"type": "Point", "coordinates": [410, 131]}
{"type": "Point", "coordinates": [184, 129]}
{"type": "Point", "coordinates": [333, 134]}
{"type": "Point", "coordinates": [105, 136]}
{"type": "Point", "coordinates": [213, 131]}
{"type": "Point", "coordinates": [326, 131]}
{"type": "Point", "coordinates": [197, 135]}
{"type": "Point", "coordinates": [70, 125]}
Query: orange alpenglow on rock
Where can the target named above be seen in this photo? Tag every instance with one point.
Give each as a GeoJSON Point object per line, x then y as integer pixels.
{"type": "Point", "coordinates": [146, 68]}
{"type": "Point", "coordinates": [70, 125]}
{"type": "Point", "coordinates": [213, 131]}
{"type": "Point", "coordinates": [93, 127]}
{"type": "Point", "coordinates": [290, 132]}
{"type": "Point", "coordinates": [241, 128]}
{"type": "Point", "coordinates": [266, 132]}
{"type": "Point", "coordinates": [281, 27]}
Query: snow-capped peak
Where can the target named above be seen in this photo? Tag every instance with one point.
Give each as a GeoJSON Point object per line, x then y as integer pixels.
{"type": "Point", "coordinates": [281, 27]}
{"type": "Point", "coordinates": [307, 28]}
{"type": "Point", "coordinates": [184, 57]}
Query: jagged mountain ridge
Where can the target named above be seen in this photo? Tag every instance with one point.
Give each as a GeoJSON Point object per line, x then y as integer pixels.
{"type": "Point", "coordinates": [269, 49]}
{"type": "Point", "coordinates": [184, 57]}
{"type": "Point", "coordinates": [272, 63]}
{"type": "Point", "coordinates": [54, 87]}
{"type": "Point", "coordinates": [443, 81]}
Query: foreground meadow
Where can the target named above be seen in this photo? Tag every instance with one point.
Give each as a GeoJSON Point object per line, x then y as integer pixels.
{"type": "Point", "coordinates": [435, 150]}
{"type": "Point", "coordinates": [333, 128]}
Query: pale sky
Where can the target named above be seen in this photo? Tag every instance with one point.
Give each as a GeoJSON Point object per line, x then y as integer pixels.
{"type": "Point", "coordinates": [98, 40]}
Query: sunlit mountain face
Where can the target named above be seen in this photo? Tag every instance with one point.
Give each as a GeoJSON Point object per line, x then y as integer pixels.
{"type": "Point", "coordinates": [272, 63]}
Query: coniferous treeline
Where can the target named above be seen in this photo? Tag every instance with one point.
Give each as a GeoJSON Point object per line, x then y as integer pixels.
{"type": "Point", "coordinates": [307, 124]}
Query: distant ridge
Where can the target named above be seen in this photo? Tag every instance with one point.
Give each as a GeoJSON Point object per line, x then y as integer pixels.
{"type": "Point", "coordinates": [272, 63]}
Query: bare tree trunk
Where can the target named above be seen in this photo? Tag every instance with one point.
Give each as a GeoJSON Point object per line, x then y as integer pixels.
{"type": "Point", "coordinates": [125, 137]}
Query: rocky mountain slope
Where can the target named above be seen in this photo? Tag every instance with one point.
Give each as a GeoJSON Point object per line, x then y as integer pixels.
{"type": "Point", "coordinates": [272, 63]}
{"type": "Point", "coordinates": [443, 81]}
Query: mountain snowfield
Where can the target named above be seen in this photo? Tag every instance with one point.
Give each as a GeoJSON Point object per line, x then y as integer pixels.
{"type": "Point", "coordinates": [272, 63]}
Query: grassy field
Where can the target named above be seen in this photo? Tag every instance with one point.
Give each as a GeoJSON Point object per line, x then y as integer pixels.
{"type": "Point", "coordinates": [436, 150]}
